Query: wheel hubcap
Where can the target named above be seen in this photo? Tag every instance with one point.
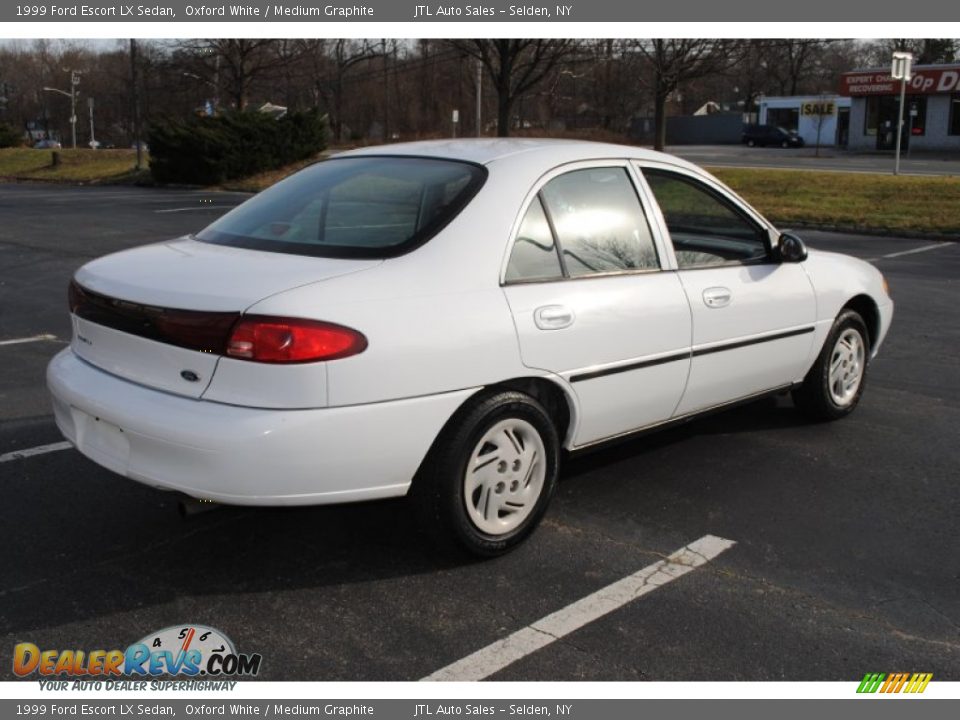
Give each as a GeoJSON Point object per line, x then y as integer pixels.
{"type": "Point", "coordinates": [847, 362]}
{"type": "Point", "coordinates": [505, 476]}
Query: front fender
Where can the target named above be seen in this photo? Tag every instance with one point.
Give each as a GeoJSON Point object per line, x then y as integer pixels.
{"type": "Point", "coordinates": [840, 281]}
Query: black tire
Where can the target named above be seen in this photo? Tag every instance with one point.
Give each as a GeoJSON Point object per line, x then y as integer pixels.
{"type": "Point", "coordinates": [439, 488]}
{"type": "Point", "coordinates": [814, 397]}
{"type": "Point", "coordinates": [751, 142]}
{"type": "Point", "coordinates": [785, 144]}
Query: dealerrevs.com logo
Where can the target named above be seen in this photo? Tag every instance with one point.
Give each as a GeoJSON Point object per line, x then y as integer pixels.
{"type": "Point", "coordinates": [887, 683]}
{"type": "Point", "coordinates": [179, 650]}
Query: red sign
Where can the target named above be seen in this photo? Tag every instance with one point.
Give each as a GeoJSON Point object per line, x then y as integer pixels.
{"type": "Point", "coordinates": [927, 80]}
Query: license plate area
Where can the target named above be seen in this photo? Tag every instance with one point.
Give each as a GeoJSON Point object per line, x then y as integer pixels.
{"type": "Point", "coordinates": [103, 442]}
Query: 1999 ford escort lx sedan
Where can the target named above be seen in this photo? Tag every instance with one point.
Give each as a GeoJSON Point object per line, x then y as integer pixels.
{"type": "Point", "coordinates": [442, 319]}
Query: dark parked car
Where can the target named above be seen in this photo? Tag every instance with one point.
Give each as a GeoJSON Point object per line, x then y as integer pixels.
{"type": "Point", "coordinates": [770, 135]}
{"type": "Point", "coordinates": [47, 145]}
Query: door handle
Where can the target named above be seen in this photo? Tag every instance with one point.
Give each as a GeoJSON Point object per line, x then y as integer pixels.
{"type": "Point", "coordinates": [553, 317]}
{"type": "Point", "coordinates": [717, 297]}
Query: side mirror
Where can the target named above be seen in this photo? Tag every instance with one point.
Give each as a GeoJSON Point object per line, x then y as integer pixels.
{"type": "Point", "coordinates": [791, 249]}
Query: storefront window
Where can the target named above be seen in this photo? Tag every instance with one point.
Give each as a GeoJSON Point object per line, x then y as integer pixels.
{"type": "Point", "coordinates": [955, 114]}
{"type": "Point", "coordinates": [882, 110]}
{"type": "Point", "coordinates": [917, 124]}
{"type": "Point", "coordinates": [787, 118]}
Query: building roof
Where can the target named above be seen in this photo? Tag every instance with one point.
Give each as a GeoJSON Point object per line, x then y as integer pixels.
{"type": "Point", "coordinates": [886, 68]}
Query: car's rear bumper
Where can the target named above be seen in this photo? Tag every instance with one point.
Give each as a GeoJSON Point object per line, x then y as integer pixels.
{"type": "Point", "coordinates": [240, 455]}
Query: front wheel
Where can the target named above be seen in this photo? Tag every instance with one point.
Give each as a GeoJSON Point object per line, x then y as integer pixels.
{"type": "Point", "coordinates": [834, 385]}
{"type": "Point", "coordinates": [488, 479]}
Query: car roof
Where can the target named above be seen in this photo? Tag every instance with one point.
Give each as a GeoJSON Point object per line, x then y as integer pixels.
{"type": "Point", "coordinates": [545, 151]}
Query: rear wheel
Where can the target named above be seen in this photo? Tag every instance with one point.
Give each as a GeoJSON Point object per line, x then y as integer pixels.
{"type": "Point", "coordinates": [751, 142]}
{"type": "Point", "coordinates": [835, 383]}
{"type": "Point", "coordinates": [785, 144]}
{"type": "Point", "coordinates": [488, 479]}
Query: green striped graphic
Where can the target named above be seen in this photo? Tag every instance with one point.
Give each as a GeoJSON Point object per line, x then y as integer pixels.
{"type": "Point", "coordinates": [871, 682]}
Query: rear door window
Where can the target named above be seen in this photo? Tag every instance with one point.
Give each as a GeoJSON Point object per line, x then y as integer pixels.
{"type": "Point", "coordinates": [599, 223]}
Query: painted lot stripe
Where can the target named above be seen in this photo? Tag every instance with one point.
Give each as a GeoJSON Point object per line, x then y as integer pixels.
{"type": "Point", "coordinates": [925, 248]}
{"type": "Point", "coordinates": [198, 207]}
{"type": "Point", "coordinates": [541, 633]}
{"type": "Point", "coordinates": [34, 338]}
{"type": "Point", "coordinates": [39, 450]}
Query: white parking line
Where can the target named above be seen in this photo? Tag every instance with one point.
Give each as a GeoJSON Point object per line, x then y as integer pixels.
{"type": "Point", "coordinates": [541, 633]}
{"type": "Point", "coordinates": [925, 248]}
{"type": "Point", "coordinates": [39, 450]}
{"type": "Point", "coordinates": [199, 207]}
{"type": "Point", "coordinates": [34, 338]}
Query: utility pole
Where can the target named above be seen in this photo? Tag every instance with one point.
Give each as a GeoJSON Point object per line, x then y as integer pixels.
{"type": "Point", "coordinates": [216, 85]}
{"type": "Point", "coordinates": [136, 102]}
{"type": "Point", "coordinates": [74, 81]}
{"type": "Point", "coordinates": [93, 140]}
{"type": "Point", "coordinates": [386, 92]}
{"type": "Point", "coordinates": [479, 97]}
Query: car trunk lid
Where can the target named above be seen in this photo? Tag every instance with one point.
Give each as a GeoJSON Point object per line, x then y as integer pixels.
{"type": "Point", "coordinates": [160, 315]}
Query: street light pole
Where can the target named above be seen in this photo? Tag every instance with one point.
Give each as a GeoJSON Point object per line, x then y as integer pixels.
{"type": "Point", "coordinates": [74, 81]}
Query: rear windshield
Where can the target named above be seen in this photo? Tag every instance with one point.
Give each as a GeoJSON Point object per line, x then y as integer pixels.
{"type": "Point", "coordinates": [362, 207]}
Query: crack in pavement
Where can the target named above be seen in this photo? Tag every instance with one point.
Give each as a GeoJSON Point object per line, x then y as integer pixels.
{"type": "Point", "coordinates": [785, 589]}
{"type": "Point", "coordinates": [123, 556]}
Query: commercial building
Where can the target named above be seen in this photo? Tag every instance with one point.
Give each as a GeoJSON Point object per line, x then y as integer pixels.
{"type": "Point", "coordinates": [823, 118]}
{"type": "Point", "coordinates": [931, 110]}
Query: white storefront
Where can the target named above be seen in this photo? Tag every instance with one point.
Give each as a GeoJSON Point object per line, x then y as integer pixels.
{"type": "Point", "coordinates": [812, 116]}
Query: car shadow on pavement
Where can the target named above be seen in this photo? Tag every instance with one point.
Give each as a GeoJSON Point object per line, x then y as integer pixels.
{"type": "Point", "coordinates": [110, 546]}
{"type": "Point", "coordinates": [768, 414]}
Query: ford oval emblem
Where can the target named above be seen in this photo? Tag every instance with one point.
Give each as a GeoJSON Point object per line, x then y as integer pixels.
{"type": "Point", "coordinates": [189, 375]}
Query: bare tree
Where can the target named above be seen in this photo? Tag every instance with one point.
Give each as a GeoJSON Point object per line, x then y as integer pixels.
{"type": "Point", "coordinates": [926, 51]}
{"type": "Point", "coordinates": [235, 62]}
{"type": "Point", "coordinates": [790, 62]}
{"type": "Point", "coordinates": [674, 61]}
{"type": "Point", "coordinates": [331, 62]}
{"type": "Point", "coordinates": [516, 67]}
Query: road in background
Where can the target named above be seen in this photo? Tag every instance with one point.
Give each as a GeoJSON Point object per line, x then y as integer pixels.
{"type": "Point", "coordinates": [846, 533]}
{"type": "Point", "coordinates": [805, 159]}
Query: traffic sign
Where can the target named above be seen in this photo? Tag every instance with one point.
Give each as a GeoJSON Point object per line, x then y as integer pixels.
{"type": "Point", "coordinates": [902, 62]}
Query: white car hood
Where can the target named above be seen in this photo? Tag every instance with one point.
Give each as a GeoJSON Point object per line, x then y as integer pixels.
{"type": "Point", "coordinates": [191, 275]}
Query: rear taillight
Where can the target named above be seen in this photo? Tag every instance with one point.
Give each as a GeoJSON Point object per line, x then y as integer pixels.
{"type": "Point", "coordinates": [74, 296]}
{"type": "Point", "coordinates": [251, 337]}
{"type": "Point", "coordinates": [292, 340]}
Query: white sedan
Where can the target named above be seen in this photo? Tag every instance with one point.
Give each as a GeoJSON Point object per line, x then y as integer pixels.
{"type": "Point", "coordinates": [442, 319]}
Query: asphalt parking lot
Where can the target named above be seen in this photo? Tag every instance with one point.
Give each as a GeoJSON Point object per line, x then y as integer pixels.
{"type": "Point", "coordinates": [846, 535]}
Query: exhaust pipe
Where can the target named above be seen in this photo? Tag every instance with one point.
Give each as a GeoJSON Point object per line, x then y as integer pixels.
{"type": "Point", "coordinates": [189, 507]}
